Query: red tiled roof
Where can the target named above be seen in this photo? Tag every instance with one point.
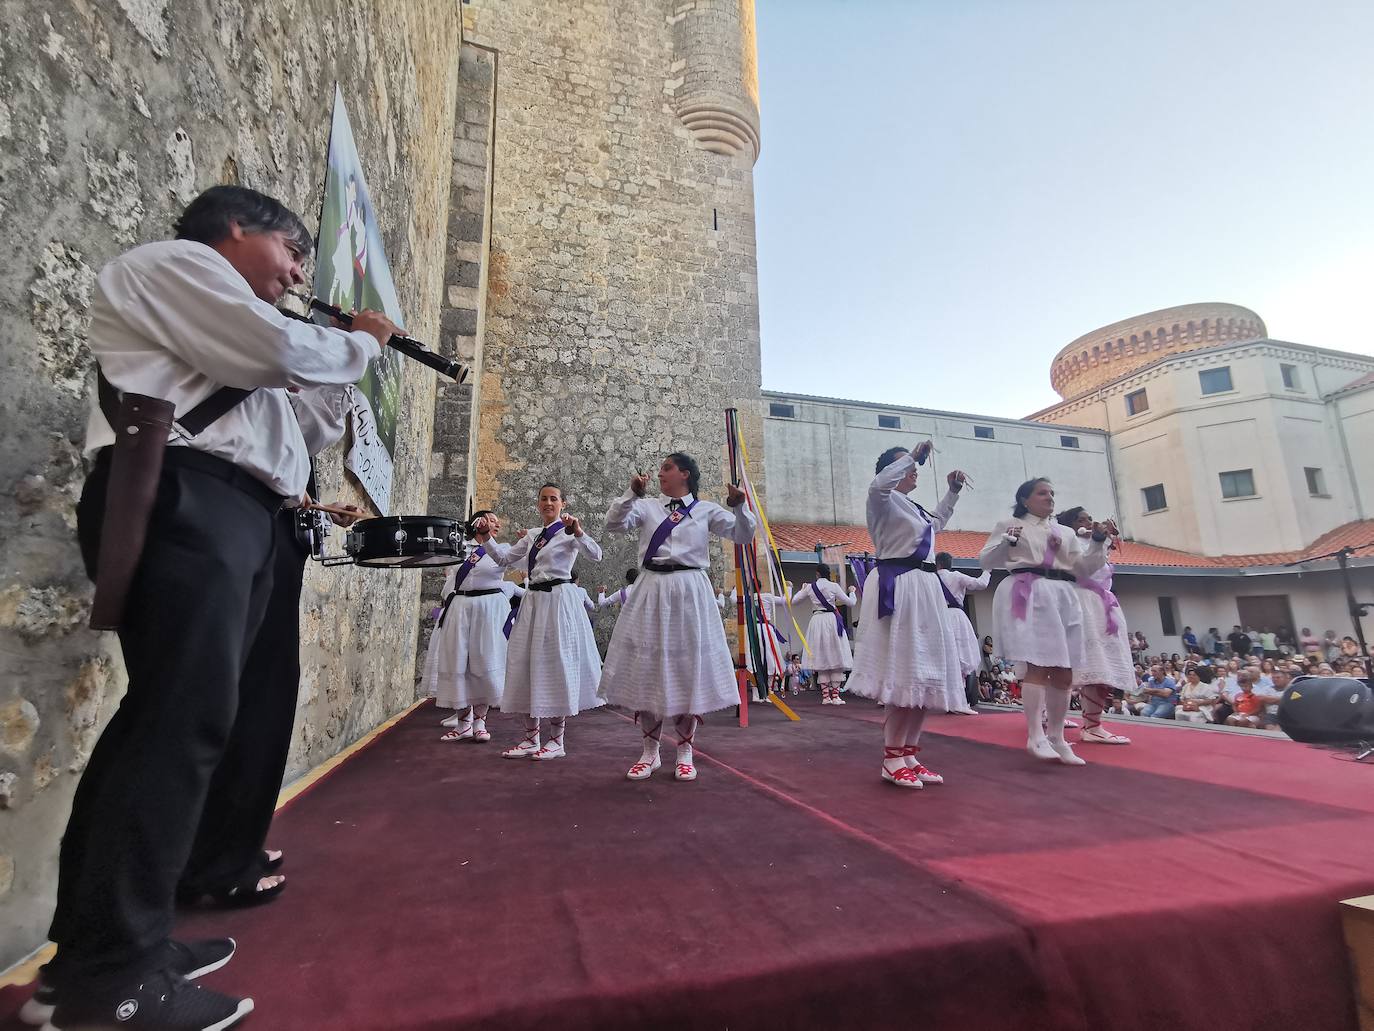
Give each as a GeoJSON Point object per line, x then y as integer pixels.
{"type": "Point", "coordinates": [1367, 380]}
{"type": "Point", "coordinates": [967, 544]}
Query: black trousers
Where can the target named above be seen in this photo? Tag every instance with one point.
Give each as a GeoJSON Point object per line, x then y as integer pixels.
{"type": "Point", "coordinates": [243, 792]}
{"type": "Point", "coordinates": [194, 607]}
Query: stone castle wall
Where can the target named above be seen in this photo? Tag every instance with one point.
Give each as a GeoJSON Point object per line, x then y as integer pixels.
{"type": "Point", "coordinates": [622, 299]}
{"type": "Point", "coordinates": [112, 116]}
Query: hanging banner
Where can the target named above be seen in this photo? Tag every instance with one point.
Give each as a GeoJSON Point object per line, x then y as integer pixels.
{"type": "Point", "coordinates": [351, 271]}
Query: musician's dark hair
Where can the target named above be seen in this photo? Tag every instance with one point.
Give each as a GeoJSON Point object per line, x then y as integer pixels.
{"type": "Point", "coordinates": [545, 486]}
{"type": "Point", "coordinates": [888, 457]}
{"type": "Point", "coordinates": [1023, 492]}
{"type": "Point", "coordinates": [687, 464]}
{"type": "Point", "coordinates": [206, 219]}
{"type": "Point", "coordinates": [944, 560]}
{"type": "Point", "coordinates": [1069, 517]}
{"type": "Point", "coordinates": [632, 574]}
{"type": "Point", "coordinates": [823, 570]}
{"type": "Point", "coordinates": [470, 527]}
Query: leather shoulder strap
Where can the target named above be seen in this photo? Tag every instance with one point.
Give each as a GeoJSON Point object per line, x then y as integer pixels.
{"type": "Point", "coordinates": [193, 423]}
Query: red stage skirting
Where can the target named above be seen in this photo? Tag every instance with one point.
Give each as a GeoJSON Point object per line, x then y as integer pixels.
{"type": "Point", "coordinates": [1189, 880]}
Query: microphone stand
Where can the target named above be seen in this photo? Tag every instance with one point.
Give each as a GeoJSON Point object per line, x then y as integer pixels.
{"type": "Point", "coordinates": [1358, 609]}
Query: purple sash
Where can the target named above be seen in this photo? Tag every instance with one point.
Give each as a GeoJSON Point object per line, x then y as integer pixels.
{"type": "Point", "coordinates": [891, 568]}
{"type": "Point", "coordinates": [468, 563]}
{"type": "Point", "coordinates": [666, 527]}
{"type": "Point", "coordinates": [1021, 590]}
{"type": "Point", "coordinates": [510, 620]}
{"type": "Point", "coordinates": [549, 533]}
{"type": "Point", "coordinates": [950, 600]}
{"type": "Point", "coordinates": [1105, 595]}
{"type": "Point", "coordinates": [622, 597]}
{"type": "Point", "coordinates": [823, 603]}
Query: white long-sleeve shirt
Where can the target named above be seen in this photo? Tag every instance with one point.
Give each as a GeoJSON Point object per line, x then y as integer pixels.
{"type": "Point", "coordinates": [958, 584]}
{"type": "Point", "coordinates": [175, 320]}
{"type": "Point", "coordinates": [830, 590]}
{"type": "Point", "coordinates": [620, 597]}
{"type": "Point", "coordinates": [322, 414]}
{"type": "Point", "coordinates": [556, 558]}
{"type": "Point", "coordinates": [689, 544]}
{"type": "Point", "coordinates": [1079, 556]}
{"type": "Point", "coordinates": [485, 575]}
{"type": "Point", "coordinates": [895, 522]}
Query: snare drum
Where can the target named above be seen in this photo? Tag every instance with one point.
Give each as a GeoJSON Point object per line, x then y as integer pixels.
{"type": "Point", "coordinates": [405, 541]}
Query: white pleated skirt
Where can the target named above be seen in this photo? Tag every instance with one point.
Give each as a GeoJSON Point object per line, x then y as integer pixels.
{"type": "Point", "coordinates": [1052, 632]}
{"type": "Point", "coordinates": [1106, 657]}
{"type": "Point", "coordinates": [668, 655]}
{"type": "Point", "coordinates": [970, 655]}
{"type": "Point", "coordinates": [552, 665]}
{"type": "Point", "coordinates": [466, 662]}
{"type": "Point", "coordinates": [830, 651]}
{"type": "Point", "coordinates": [909, 659]}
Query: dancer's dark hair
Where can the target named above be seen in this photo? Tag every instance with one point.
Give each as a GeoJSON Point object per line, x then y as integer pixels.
{"type": "Point", "coordinates": [944, 560]}
{"type": "Point", "coordinates": [822, 571]}
{"type": "Point", "coordinates": [545, 486]}
{"type": "Point", "coordinates": [470, 527]}
{"type": "Point", "coordinates": [1023, 492]}
{"type": "Point", "coordinates": [631, 575]}
{"type": "Point", "coordinates": [888, 457]}
{"type": "Point", "coordinates": [687, 464]}
{"type": "Point", "coordinates": [1070, 516]}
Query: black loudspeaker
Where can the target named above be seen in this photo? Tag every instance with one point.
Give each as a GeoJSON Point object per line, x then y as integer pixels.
{"type": "Point", "coordinates": [1327, 710]}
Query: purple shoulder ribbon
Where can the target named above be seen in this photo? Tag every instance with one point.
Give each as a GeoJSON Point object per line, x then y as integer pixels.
{"type": "Point", "coordinates": [468, 563]}
{"type": "Point", "coordinates": [1104, 593]}
{"type": "Point", "coordinates": [663, 529]}
{"type": "Point", "coordinates": [950, 600]}
{"type": "Point", "coordinates": [510, 620]}
{"type": "Point", "coordinates": [550, 531]}
{"type": "Point", "coordinates": [824, 603]}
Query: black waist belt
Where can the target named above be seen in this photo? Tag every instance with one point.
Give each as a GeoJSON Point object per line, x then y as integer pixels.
{"type": "Point", "coordinates": [1049, 574]}
{"type": "Point", "coordinates": [219, 468]}
{"type": "Point", "coordinates": [954, 605]}
{"type": "Point", "coordinates": [481, 593]}
{"type": "Point", "coordinates": [670, 567]}
{"type": "Point", "coordinates": [548, 585]}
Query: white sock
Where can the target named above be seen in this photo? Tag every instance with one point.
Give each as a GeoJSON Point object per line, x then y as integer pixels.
{"type": "Point", "coordinates": [1057, 708]}
{"type": "Point", "coordinates": [1033, 701]}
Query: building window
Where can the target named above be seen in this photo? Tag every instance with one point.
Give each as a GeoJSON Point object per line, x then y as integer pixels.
{"type": "Point", "coordinates": [1154, 498]}
{"type": "Point", "coordinates": [983, 432]}
{"type": "Point", "coordinates": [1316, 482]}
{"type": "Point", "coordinates": [781, 411]}
{"type": "Point", "coordinates": [1068, 442]}
{"type": "Point", "coordinates": [1137, 402]}
{"type": "Point", "coordinates": [1215, 381]}
{"type": "Point", "coordinates": [1168, 617]}
{"type": "Point", "coordinates": [1290, 376]}
{"type": "Point", "coordinates": [1239, 483]}
{"type": "Point", "coordinates": [889, 422]}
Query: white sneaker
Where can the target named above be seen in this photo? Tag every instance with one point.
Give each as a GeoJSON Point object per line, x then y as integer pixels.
{"type": "Point", "coordinates": [553, 750]}
{"type": "Point", "coordinates": [1064, 753]}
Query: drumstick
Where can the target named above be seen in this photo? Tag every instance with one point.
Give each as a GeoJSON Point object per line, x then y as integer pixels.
{"type": "Point", "coordinates": [337, 510]}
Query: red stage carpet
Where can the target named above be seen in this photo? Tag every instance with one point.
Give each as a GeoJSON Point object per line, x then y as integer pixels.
{"type": "Point", "coordinates": [1189, 880]}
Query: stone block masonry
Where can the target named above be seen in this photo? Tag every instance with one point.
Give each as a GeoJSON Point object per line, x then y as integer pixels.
{"type": "Point", "coordinates": [112, 116]}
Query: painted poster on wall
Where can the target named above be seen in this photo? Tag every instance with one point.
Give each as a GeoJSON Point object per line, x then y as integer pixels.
{"type": "Point", "coordinates": [351, 271]}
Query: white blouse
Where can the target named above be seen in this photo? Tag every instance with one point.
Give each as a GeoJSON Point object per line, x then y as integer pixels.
{"type": "Point", "coordinates": [829, 590]}
{"type": "Point", "coordinates": [620, 597]}
{"type": "Point", "coordinates": [485, 575]}
{"type": "Point", "coordinates": [895, 522]}
{"type": "Point", "coordinates": [689, 544]}
{"type": "Point", "coordinates": [959, 584]}
{"type": "Point", "coordinates": [556, 558]}
{"type": "Point", "coordinates": [1079, 556]}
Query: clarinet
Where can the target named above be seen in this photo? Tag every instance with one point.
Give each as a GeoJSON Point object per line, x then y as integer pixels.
{"type": "Point", "coordinates": [408, 346]}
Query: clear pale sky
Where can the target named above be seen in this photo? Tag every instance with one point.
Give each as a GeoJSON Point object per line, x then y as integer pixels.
{"type": "Point", "coordinates": [949, 191]}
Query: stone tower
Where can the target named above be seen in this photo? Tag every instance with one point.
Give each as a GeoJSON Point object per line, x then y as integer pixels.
{"type": "Point", "coordinates": [616, 309]}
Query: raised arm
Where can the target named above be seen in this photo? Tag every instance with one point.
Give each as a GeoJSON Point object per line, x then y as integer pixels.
{"type": "Point", "coordinates": [803, 592]}
{"type": "Point", "coordinates": [997, 550]}
{"type": "Point", "coordinates": [506, 555]}
{"type": "Point", "coordinates": [887, 479]}
{"type": "Point", "coordinates": [973, 583]}
{"type": "Point", "coordinates": [588, 547]}
{"type": "Point", "coordinates": [736, 524]}
{"type": "Point", "coordinates": [621, 517]}
{"type": "Point", "coordinates": [1089, 556]}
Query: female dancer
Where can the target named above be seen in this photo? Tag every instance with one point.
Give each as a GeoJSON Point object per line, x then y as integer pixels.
{"type": "Point", "coordinates": [1106, 665]}
{"type": "Point", "coordinates": [906, 657]}
{"type": "Point", "coordinates": [826, 633]}
{"type": "Point", "coordinates": [955, 586]}
{"type": "Point", "coordinates": [1037, 618]}
{"type": "Point", "coordinates": [668, 656]}
{"type": "Point", "coordinates": [466, 668]}
{"type": "Point", "coordinates": [553, 669]}
{"type": "Point", "coordinates": [621, 596]}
